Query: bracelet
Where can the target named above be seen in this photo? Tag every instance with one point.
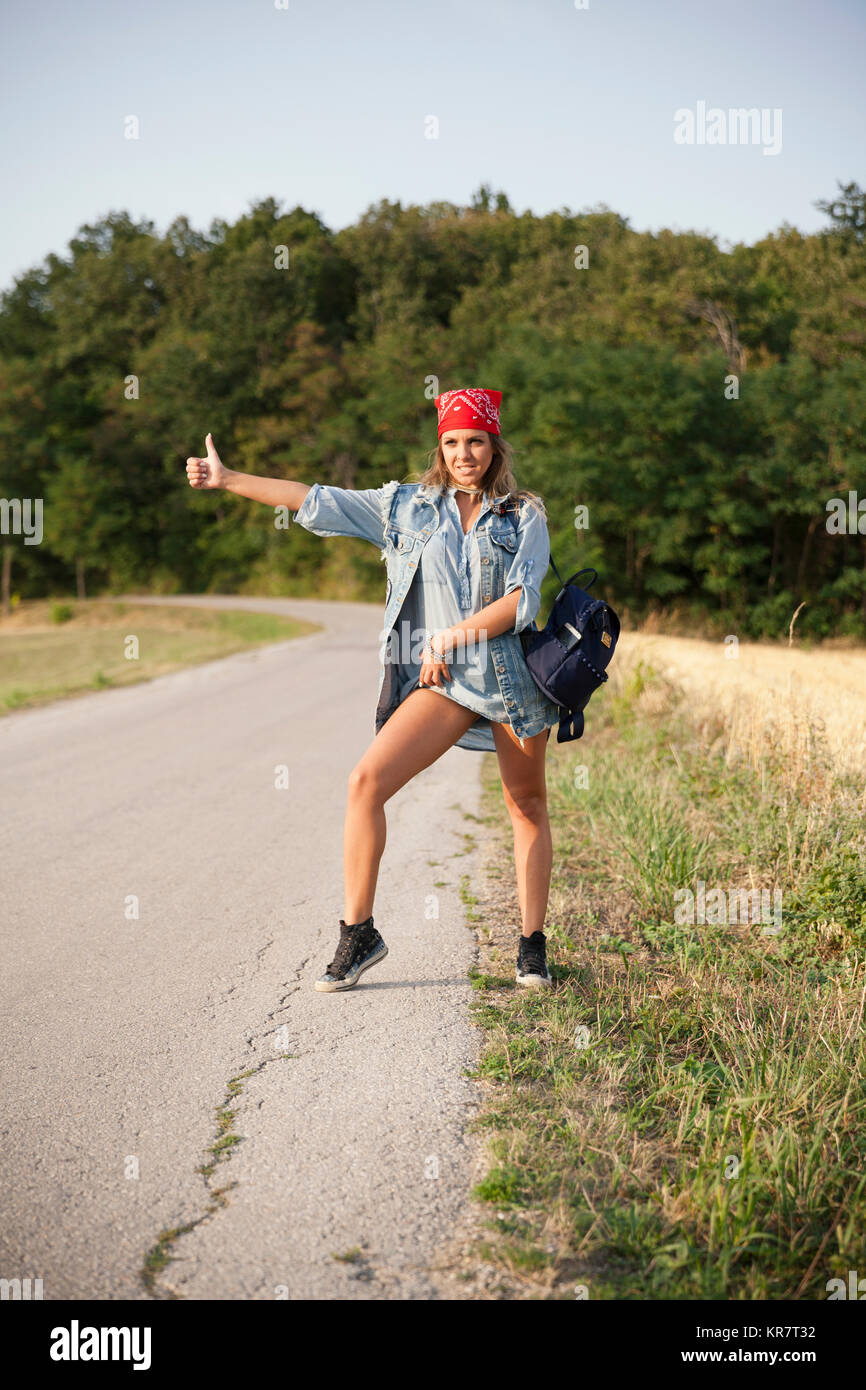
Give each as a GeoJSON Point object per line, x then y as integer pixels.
{"type": "Point", "coordinates": [437, 656]}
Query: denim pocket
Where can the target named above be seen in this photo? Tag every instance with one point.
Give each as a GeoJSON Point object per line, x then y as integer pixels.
{"type": "Point", "coordinates": [399, 541]}
{"type": "Point", "coordinates": [506, 539]}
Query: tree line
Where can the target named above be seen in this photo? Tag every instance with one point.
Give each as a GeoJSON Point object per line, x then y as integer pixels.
{"type": "Point", "coordinates": [693, 416]}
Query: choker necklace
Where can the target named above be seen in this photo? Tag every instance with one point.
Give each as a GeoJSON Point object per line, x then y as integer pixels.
{"type": "Point", "coordinates": [458, 487]}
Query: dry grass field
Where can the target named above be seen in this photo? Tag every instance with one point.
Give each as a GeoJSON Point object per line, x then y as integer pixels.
{"type": "Point", "coordinates": [792, 699]}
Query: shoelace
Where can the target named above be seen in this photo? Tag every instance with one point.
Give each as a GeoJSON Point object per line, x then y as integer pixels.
{"type": "Point", "coordinates": [350, 939]}
{"type": "Point", "coordinates": [343, 959]}
{"type": "Point", "coordinates": [532, 957]}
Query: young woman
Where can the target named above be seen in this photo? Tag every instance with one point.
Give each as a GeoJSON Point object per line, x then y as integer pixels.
{"type": "Point", "coordinates": [466, 552]}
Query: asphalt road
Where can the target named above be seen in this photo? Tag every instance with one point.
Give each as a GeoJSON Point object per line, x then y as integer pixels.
{"type": "Point", "coordinates": [165, 910]}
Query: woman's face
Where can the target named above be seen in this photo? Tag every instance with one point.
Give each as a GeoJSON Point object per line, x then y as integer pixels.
{"type": "Point", "coordinates": [468, 455]}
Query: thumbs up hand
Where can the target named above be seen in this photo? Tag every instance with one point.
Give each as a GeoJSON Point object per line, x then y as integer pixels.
{"type": "Point", "coordinates": [207, 472]}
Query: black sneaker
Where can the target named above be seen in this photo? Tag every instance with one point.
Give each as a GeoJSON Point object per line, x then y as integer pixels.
{"type": "Point", "coordinates": [532, 960]}
{"type": "Point", "coordinates": [360, 947]}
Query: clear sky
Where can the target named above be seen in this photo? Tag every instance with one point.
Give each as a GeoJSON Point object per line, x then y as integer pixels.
{"type": "Point", "coordinates": [323, 103]}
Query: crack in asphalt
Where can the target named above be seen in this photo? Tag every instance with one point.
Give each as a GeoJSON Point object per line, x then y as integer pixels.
{"type": "Point", "coordinates": [160, 1254]}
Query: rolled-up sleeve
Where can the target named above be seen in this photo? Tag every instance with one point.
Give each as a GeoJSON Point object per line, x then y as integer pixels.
{"type": "Point", "coordinates": [340, 511]}
{"type": "Point", "coordinates": [529, 566]}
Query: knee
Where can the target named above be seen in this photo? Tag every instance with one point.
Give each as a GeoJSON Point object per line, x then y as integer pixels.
{"type": "Point", "coordinates": [364, 785]}
{"type": "Point", "coordinates": [528, 806]}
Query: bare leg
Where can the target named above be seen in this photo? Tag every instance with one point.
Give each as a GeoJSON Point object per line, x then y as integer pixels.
{"type": "Point", "coordinates": [419, 731]}
{"type": "Point", "coordinates": [525, 791]}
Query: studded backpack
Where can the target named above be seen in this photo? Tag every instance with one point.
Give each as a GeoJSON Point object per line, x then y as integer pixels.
{"type": "Point", "coordinates": [568, 657]}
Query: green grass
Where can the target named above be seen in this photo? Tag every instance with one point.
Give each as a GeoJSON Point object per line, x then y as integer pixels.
{"type": "Point", "coordinates": [682, 1116]}
{"type": "Point", "coordinates": [49, 651]}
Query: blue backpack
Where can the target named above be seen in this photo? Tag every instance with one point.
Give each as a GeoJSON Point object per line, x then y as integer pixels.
{"type": "Point", "coordinates": [568, 656]}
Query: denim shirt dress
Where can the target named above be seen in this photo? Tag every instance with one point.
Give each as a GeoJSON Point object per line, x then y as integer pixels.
{"type": "Point", "coordinates": [437, 576]}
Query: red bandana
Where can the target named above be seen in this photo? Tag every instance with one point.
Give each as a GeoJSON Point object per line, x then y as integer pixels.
{"type": "Point", "coordinates": [469, 408]}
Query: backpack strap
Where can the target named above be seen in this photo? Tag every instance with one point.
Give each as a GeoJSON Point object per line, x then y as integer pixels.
{"type": "Point", "coordinates": [577, 573]}
{"type": "Point", "coordinates": [571, 726]}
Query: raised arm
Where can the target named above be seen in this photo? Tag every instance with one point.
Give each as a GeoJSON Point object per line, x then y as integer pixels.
{"type": "Point", "coordinates": [209, 473]}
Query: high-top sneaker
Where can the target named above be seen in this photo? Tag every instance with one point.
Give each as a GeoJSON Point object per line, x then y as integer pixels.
{"type": "Point", "coordinates": [360, 947]}
{"type": "Point", "coordinates": [532, 960]}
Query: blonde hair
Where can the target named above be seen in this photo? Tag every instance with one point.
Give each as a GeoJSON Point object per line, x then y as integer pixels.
{"type": "Point", "coordinates": [499, 480]}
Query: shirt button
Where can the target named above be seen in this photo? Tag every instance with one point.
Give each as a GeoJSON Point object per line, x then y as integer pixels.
{"type": "Point", "coordinates": [510, 704]}
{"type": "Point", "coordinates": [485, 560]}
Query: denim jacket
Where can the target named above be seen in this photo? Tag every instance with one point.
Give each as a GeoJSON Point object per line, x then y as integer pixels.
{"type": "Point", "coordinates": [514, 548]}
